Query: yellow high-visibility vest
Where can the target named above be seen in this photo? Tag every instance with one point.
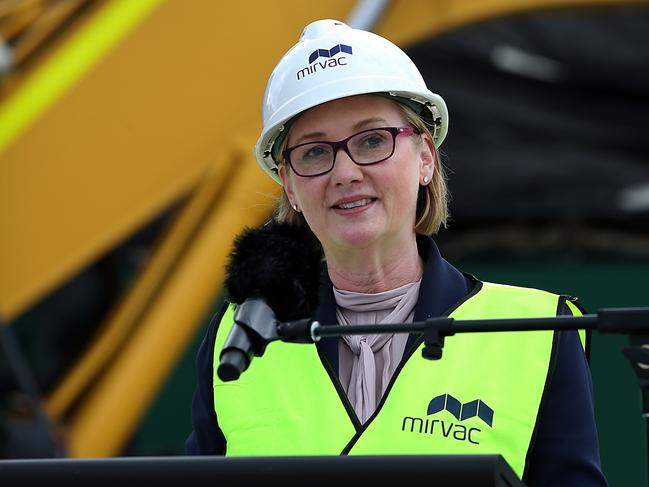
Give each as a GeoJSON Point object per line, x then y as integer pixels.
{"type": "Point", "coordinates": [481, 397]}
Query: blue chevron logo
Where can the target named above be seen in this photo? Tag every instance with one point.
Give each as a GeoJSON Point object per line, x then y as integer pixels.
{"type": "Point", "coordinates": [329, 52]}
{"type": "Point", "coordinates": [461, 411]}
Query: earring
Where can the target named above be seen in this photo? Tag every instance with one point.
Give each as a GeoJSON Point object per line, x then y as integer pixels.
{"type": "Point", "coordinates": [425, 179]}
{"type": "Point", "coordinates": [295, 208]}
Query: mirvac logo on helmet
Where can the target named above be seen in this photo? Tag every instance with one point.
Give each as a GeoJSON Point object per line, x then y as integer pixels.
{"type": "Point", "coordinates": [448, 429]}
{"type": "Point", "coordinates": [316, 64]}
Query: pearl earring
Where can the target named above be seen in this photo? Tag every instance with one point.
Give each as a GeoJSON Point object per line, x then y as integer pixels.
{"type": "Point", "coordinates": [425, 179]}
{"type": "Point", "coordinates": [295, 208]}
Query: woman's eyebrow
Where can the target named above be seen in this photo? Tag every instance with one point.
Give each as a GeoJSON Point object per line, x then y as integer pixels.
{"type": "Point", "coordinates": [310, 135]}
{"type": "Point", "coordinates": [321, 135]}
{"type": "Point", "coordinates": [368, 121]}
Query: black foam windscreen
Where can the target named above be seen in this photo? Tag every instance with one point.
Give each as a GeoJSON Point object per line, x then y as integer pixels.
{"type": "Point", "coordinates": [279, 263]}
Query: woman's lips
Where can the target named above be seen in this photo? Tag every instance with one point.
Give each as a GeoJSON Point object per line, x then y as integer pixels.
{"type": "Point", "coordinates": [353, 205]}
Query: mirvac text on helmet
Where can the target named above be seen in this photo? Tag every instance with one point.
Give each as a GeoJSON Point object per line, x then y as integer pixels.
{"type": "Point", "coordinates": [332, 62]}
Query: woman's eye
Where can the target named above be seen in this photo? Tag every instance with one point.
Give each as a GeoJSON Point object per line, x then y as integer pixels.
{"type": "Point", "coordinates": [372, 141]}
{"type": "Point", "coordinates": [315, 152]}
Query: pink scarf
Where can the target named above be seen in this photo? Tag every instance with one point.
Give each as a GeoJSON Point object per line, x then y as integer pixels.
{"type": "Point", "coordinates": [367, 363]}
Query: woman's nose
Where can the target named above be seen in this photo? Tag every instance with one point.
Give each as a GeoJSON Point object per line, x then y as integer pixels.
{"type": "Point", "coordinates": [345, 170]}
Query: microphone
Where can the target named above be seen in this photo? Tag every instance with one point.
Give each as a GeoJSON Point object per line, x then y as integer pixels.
{"type": "Point", "coordinates": [273, 275]}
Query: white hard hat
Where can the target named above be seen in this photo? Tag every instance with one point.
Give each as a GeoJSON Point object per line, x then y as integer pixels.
{"type": "Point", "coordinates": [330, 61]}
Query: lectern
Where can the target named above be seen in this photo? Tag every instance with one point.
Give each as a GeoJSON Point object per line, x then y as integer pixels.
{"type": "Point", "coordinates": [330, 471]}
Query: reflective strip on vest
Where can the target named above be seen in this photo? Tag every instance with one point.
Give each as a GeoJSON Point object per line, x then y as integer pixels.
{"type": "Point", "coordinates": [482, 397]}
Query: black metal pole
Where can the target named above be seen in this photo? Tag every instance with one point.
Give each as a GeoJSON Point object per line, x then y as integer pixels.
{"type": "Point", "coordinates": [462, 326]}
{"type": "Point", "coordinates": [626, 321]}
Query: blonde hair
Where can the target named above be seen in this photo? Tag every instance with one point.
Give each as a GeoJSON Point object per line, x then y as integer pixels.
{"type": "Point", "coordinates": [432, 200]}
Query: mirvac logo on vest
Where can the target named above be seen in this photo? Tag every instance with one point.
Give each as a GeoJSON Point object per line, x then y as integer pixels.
{"type": "Point", "coordinates": [450, 429]}
{"type": "Point", "coordinates": [331, 60]}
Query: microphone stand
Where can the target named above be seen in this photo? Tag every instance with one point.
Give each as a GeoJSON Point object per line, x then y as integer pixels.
{"type": "Point", "coordinates": [638, 355]}
{"type": "Point", "coordinates": [626, 321]}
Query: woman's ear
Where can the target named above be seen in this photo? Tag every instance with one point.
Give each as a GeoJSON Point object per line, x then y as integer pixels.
{"type": "Point", "coordinates": [287, 182]}
{"type": "Point", "coordinates": [428, 158]}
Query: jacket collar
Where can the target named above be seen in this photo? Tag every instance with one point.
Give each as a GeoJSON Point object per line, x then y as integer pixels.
{"type": "Point", "coordinates": [442, 287]}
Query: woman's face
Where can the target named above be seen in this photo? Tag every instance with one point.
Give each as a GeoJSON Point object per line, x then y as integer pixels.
{"type": "Point", "coordinates": [384, 195]}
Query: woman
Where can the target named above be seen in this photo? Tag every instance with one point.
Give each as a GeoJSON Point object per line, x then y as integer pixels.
{"type": "Point", "coordinates": [351, 132]}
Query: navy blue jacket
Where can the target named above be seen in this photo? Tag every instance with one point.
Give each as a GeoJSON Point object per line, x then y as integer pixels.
{"type": "Point", "coordinates": [565, 449]}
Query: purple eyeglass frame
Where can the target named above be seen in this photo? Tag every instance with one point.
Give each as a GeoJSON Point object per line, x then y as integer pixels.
{"type": "Point", "coordinates": [342, 144]}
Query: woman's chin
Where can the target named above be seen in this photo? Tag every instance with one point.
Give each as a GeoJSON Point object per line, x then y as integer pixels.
{"type": "Point", "coordinates": [356, 237]}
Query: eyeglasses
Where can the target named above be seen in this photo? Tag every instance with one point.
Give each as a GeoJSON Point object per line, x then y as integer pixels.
{"type": "Point", "coordinates": [364, 148]}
